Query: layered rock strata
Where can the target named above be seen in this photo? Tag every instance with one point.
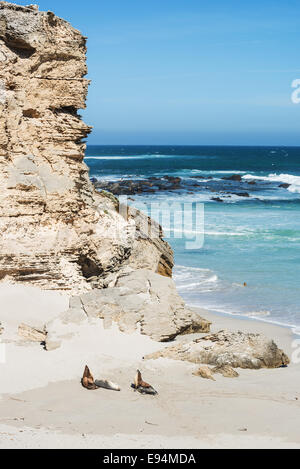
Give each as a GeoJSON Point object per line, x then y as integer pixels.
{"type": "Point", "coordinates": [56, 231]}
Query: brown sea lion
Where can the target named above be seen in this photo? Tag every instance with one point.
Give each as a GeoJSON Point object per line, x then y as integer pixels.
{"type": "Point", "coordinates": [141, 386]}
{"type": "Point", "coordinates": [88, 380]}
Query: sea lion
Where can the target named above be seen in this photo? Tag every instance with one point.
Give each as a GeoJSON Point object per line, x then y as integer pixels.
{"type": "Point", "coordinates": [101, 383]}
{"type": "Point", "coordinates": [88, 380]}
{"type": "Point", "coordinates": [141, 386]}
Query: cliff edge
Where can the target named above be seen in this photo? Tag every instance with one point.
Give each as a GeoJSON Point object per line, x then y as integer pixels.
{"type": "Point", "coordinates": [56, 231]}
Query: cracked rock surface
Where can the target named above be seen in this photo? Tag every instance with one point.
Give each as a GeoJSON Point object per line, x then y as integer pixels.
{"type": "Point", "coordinates": [236, 349]}
{"type": "Point", "coordinates": [57, 232]}
{"type": "Point", "coordinates": [140, 300]}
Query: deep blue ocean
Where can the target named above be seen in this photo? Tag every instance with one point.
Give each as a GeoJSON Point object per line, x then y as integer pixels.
{"type": "Point", "coordinates": [251, 236]}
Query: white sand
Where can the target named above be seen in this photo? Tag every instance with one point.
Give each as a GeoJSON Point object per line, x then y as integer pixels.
{"type": "Point", "coordinates": [43, 404]}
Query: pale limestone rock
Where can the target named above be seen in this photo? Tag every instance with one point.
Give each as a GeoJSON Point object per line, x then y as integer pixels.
{"type": "Point", "coordinates": [205, 372]}
{"type": "Point", "coordinates": [236, 349]}
{"type": "Point", "coordinates": [31, 333]}
{"type": "Point", "coordinates": [143, 299]}
{"type": "Point", "coordinates": [56, 231]}
{"type": "Point", "coordinates": [225, 370]}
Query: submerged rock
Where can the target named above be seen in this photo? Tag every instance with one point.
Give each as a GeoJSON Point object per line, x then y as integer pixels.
{"type": "Point", "coordinates": [234, 177]}
{"type": "Point", "coordinates": [236, 349]}
{"type": "Point", "coordinates": [137, 186]}
{"type": "Point", "coordinates": [242, 194]}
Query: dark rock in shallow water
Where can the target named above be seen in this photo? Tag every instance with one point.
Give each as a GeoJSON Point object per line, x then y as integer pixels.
{"type": "Point", "coordinates": [234, 177]}
{"type": "Point", "coordinates": [285, 186]}
{"type": "Point", "coordinates": [252, 183]}
{"type": "Point", "coordinates": [217, 199]}
{"type": "Point", "coordinates": [174, 180]}
{"type": "Point", "coordinates": [131, 187]}
{"type": "Point", "coordinates": [242, 194]}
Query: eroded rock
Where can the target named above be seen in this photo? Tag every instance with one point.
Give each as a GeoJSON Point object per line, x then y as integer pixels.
{"type": "Point", "coordinates": [236, 349]}
{"type": "Point", "coordinates": [31, 333]}
{"type": "Point", "coordinates": [205, 372]}
{"type": "Point", "coordinates": [145, 300]}
{"type": "Point", "coordinates": [57, 232]}
{"type": "Point", "coordinates": [225, 370]}
{"type": "Point", "coordinates": [141, 300]}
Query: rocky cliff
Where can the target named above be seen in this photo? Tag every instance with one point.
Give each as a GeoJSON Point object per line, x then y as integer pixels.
{"type": "Point", "coordinates": [56, 231]}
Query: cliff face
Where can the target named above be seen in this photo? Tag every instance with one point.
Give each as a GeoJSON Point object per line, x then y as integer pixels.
{"type": "Point", "coordinates": [56, 231]}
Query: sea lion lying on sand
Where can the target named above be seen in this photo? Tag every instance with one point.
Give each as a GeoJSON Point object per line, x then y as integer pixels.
{"type": "Point", "coordinates": [88, 380]}
{"type": "Point", "coordinates": [89, 383]}
{"type": "Point", "coordinates": [101, 383]}
{"type": "Point", "coordinates": [141, 386]}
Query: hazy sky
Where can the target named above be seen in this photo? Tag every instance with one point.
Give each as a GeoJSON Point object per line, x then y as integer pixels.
{"type": "Point", "coordinates": [189, 71]}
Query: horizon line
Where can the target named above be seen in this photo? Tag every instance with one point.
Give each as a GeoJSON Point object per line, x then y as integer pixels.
{"type": "Point", "coordinates": [185, 145]}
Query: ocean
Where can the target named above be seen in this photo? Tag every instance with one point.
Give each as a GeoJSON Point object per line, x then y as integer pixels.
{"type": "Point", "coordinates": [251, 221]}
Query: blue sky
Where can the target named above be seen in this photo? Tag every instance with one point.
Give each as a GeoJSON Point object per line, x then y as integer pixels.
{"type": "Point", "coordinates": [189, 71]}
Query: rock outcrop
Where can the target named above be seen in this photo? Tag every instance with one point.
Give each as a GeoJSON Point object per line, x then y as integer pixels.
{"type": "Point", "coordinates": [236, 349]}
{"type": "Point", "coordinates": [226, 370]}
{"type": "Point", "coordinates": [31, 334]}
{"type": "Point", "coordinates": [56, 230]}
{"type": "Point", "coordinates": [205, 372]}
{"type": "Point", "coordinates": [140, 300]}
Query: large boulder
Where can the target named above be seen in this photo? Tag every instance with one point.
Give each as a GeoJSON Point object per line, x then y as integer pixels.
{"type": "Point", "coordinates": [144, 299]}
{"type": "Point", "coordinates": [140, 300]}
{"type": "Point", "coordinates": [236, 349]}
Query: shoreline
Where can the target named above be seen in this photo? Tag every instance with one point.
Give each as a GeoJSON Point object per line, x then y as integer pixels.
{"type": "Point", "coordinates": [282, 335]}
{"type": "Point", "coordinates": [241, 317]}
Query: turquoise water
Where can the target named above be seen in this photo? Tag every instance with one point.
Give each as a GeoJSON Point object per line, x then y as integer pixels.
{"type": "Point", "coordinates": [253, 239]}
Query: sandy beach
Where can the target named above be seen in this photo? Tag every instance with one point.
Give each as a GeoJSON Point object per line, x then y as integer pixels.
{"type": "Point", "coordinates": [43, 405]}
